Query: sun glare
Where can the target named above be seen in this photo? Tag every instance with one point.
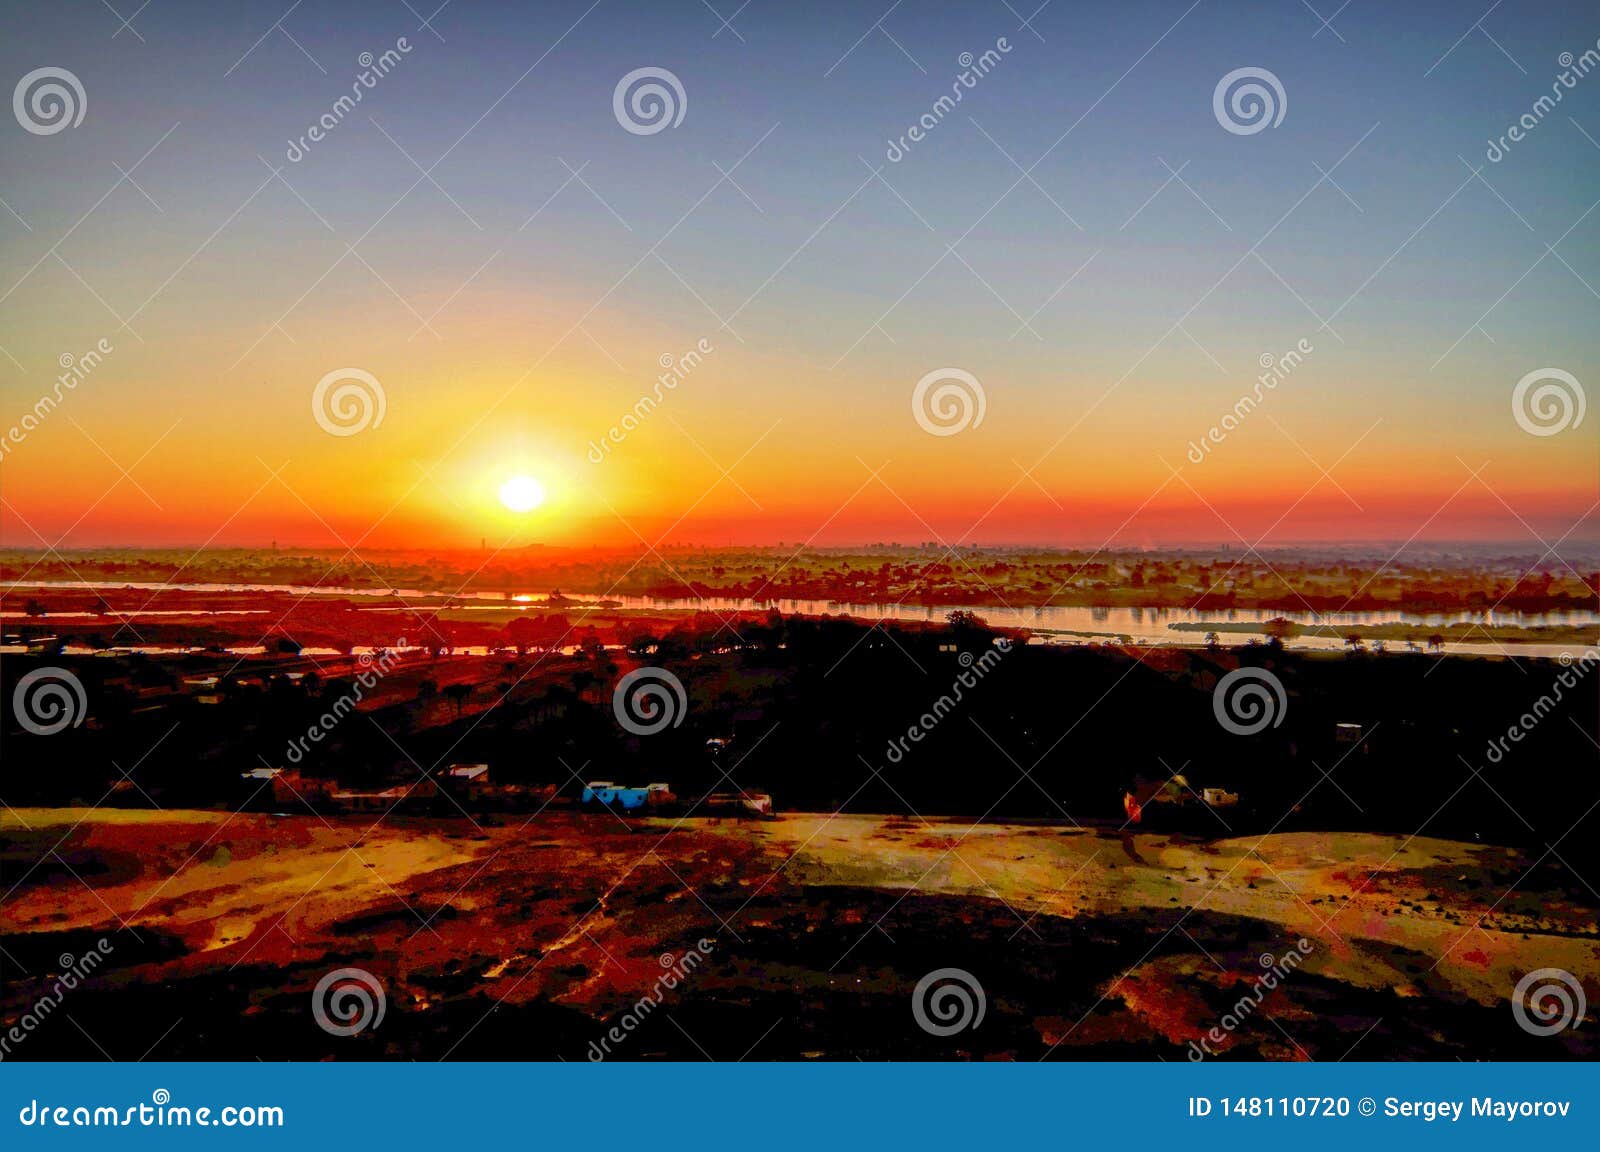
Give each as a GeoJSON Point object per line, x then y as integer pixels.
{"type": "Point", "coordinates": [522, 494]}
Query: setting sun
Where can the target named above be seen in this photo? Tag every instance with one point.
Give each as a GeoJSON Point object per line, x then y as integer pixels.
{"type": "Point", "coordinates": [1212, 591]}
{"type": "Point", "coordinates": [522, 494]}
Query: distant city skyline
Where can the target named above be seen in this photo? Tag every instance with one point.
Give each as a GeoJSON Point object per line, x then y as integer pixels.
{"type": "Point", "coordinates": [336, 277]}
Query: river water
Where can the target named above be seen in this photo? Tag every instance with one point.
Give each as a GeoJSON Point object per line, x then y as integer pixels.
{"type": "Point", "coordinates": [1057, 624]}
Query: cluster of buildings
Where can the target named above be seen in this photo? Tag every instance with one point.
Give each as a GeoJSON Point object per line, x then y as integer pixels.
{"type": "Point", "coordinates": [1172, 801]}
{"type": "Point", "coordinates": [462, 786]}
{"type": "Point", "coordinates": [661, 798]}
{"type": "Point", "coordinates": [287, 790]}
{"type": "Point", "coordinates": [1171, 797]}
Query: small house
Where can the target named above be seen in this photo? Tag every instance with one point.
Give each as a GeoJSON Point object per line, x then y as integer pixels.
{"type": "Point", "coordinates": [609, 795]}
{"type": "Point", "coordinates": [408, 795]}
{"type": "Point", "coordinates": [467, 779]}
{"type": "Point", "coordinates": [628, 798]}
{"type": "Point", "coordinates": [290, 789]}
{"type": "Point", "coordinates": [739, 803]}
{"type": "Point", "coordinates": [1173, 800]}
{"type": "Point", "coordinates": [596, 791]}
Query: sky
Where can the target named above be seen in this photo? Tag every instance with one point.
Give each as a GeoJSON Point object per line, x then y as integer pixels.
{"type": "Point", "coordinates": [1086, 243]}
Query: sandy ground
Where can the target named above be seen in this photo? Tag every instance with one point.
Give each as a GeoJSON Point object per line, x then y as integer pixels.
{"type": "Point", "coordinates": [1344, 892]}
{"type": "Point", "coordinates": [528, 938]}
{"type": "Point", "coordinates": [206, 878]}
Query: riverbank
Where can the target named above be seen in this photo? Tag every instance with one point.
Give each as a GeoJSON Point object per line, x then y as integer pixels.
{"type": "Point", "coordinates": [1420, 579]}
{"type": "Point", "coordinates": [1419, 633]}
{"type": "Point", "coordinates": [239, 617]}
